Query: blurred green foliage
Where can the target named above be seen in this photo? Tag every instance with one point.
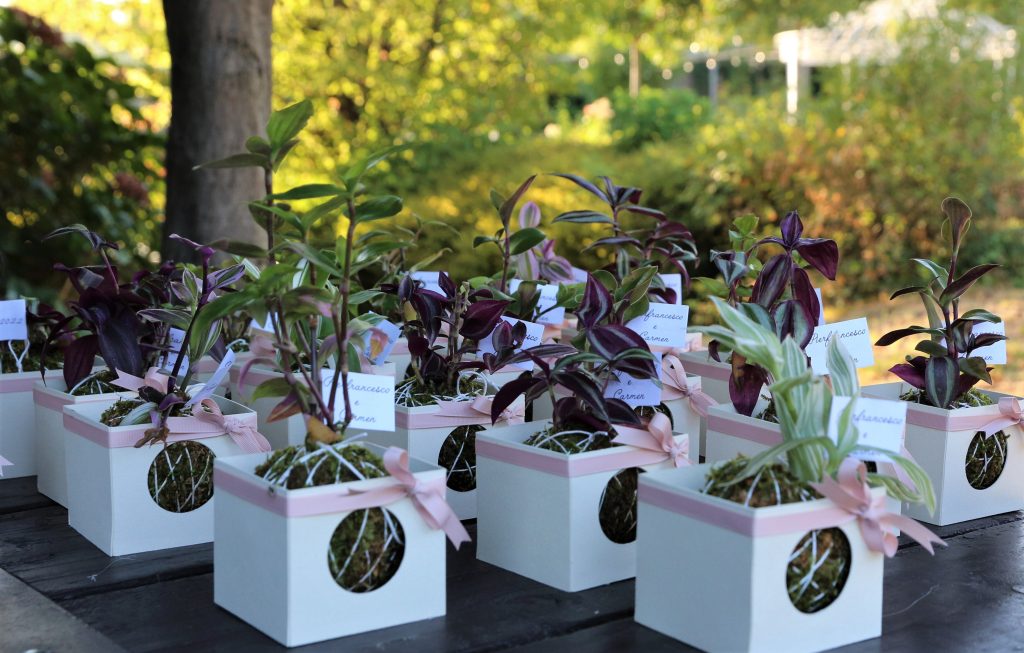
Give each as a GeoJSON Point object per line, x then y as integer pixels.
{"type": "Point", "coordinates": [76, 149]}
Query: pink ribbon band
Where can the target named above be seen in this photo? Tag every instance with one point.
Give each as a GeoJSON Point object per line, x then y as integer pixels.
{"type": "Point", "coordinates": [240, 428]}
{"type": "Point", "coordinates": [766, 435]}
{"type": "Point", "coordinates": [18, 382]}
{"type": "Point", "coordinates": [585, 464]}
{"type": "Point", "coordinates": [1005, 414]}
{"type": "Point", "coordinates": [675, 385]}
{"type": "Point", "coordinates": [427, 496]}
{"type": "Point", "coordinates": [51, 401]}
{"type": "Point", "coordinates": [657, 437]}
{"type": "Point", "coordinates": [476, 411]}
{"type": "Point", "coordinates": [847, 501]}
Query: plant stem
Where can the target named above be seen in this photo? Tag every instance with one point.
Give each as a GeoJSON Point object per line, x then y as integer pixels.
{"type": "Point", "coordinates": [202, 301]}
{"type": "Point", "coordinates": [342, 335]}
{"type": "Point", "coordinates": [505, 255]}
{"type": "Point", "coordinates": [268, 183]}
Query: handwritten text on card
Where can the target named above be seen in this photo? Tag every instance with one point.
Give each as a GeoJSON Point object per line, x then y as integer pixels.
{"type": "Point", "coordinates": [372, 397]}
{"type": "Point", "coordinates": [880, 424]}
{"type": "Point", "coordinates": [854, 336]}
{"type": "Point", "coordinates": [13, 320]}
{"type": "Point", "coordinates": [663, 325]}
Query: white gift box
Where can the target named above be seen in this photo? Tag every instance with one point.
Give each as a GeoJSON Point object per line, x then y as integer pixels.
{"type": "Point", "coordinates": [108, 494]}
{"type": "Point", "coordinates": [280, 433]}
{"type": "Point", "coordinates": [18, 422]}
{"type": "Point", "coordinates": [938, 440]}
{"type": "Point", "coordinates": [538, 510]}
{"type": "Point", "coordinates": [400, 357]}
{"type": "Point", "coordinates": [270, 560]}
{"type": "Point", "coordinates": [50, 397]}
{"type": "Point", "coordinates": [712, 573]}
{"type": "Point", "coordinates": [417, 430]}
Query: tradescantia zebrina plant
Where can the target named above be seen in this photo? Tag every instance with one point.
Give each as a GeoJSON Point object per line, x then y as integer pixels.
{"type": "Point", "coordinates": [944, 372]}
{"type": "Point", "coordinates": [803, 404]}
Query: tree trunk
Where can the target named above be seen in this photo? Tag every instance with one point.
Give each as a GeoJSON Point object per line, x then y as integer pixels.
{"type": "Point", "coordinates": [220, 95]}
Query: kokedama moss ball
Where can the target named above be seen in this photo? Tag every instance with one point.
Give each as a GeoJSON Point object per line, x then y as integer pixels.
{"type": "Point", "coordinates": [181, 476]}
{"type": "Point", "coordinates": [618, 507]}
{"type": "Point", "coordinates": [366, 550]}
{"type": "Point", "coordinates": [986, 459]}
{"type": "Point", "coordinates": [300, 466]}
{"type": "Point", "coordinates": [117, 411]}
{"type": "Point", "coordinates": [458, 456]}
{"type": "Point", "coordinates": [820, 563]}
{"type": "Point", "coordinates": [96, 384]}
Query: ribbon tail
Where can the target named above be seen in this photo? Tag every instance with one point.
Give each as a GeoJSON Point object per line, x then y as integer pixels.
{"type": "Point", "coordinates": [439, 514]}
{"type": "Point", "coordinates": [999, 424]}
{"type": "Point", "coordinates": [250, 440]}
{"type": "Point", "coordinates": [916, 530]}
{"type": "Point", "coordinates": [700, 402]}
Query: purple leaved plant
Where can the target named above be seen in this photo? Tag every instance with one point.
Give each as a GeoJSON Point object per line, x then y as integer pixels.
{"type": "Point", "coordinates": [945, 371]}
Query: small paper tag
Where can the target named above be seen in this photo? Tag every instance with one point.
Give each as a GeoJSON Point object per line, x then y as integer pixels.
{"type": "Point", "coordinates": [821, 307]}
{"type": "Point", "coordinates": [377, 350]}
{"type": "Point", "coordinates": [993, 354]}
{"type": "Point", "coordinates": [674, 282]}
{"type": "Point", "coordinates": [534, 333]}
{"type": "Point", "coordinates": [579, 275]}
{"type": "Point", "coordinates": [880, 423]}
{"type": "Point", "coordinates": [547, 310]}
{"type": "Point", "coordinates": [429, 280]}
{"type": "Point", "coordinates": [635, 392]}
{"type": "Point", "coordinates": [663, 325]}
{"type": "Point", "coordinates": [372, 397]}
{"type": "Point", "coordinates": [176, 337]}
{"type": "Point", "coordinates": [855, 337]}
{"type": "Point", "coordinates": [13, 320]}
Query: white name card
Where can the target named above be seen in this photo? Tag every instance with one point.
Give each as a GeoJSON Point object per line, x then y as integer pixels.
{"type": "Point", "coordinates": [372, 397]}
{"type": "Point", "coordinates": [13, 320]}
{"type": "Point", "coordinates": [429, 280]}
{"type": "Point", "coordinates": [663, 325]}
{"type": "Point", "coordinates": [176, 339]}
{"type": "Point", "coordinates": [855, 337]}
{"type": "Point", "coordinates": [534, 333]}
{"type": "Point", "coordinates": [635, 392]}
{"type": "Point", "coordinates": [547, 310]}
{"type": "Point", "coordinates": [993, 354]}
{"type": "Point", "coordinates": [579, 275]}
{"type": "Point", "coordinates": [674, 282]}
{"type": "Point", "coordinates": [821, 307]}
{"type": "Point", "coordinates": [880, 423]}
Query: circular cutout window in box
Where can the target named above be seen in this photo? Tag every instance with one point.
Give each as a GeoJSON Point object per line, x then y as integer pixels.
{"type": "Point", "coordinates": [617, 510]}
{"type": "Point", "coordinates": [986, 459]}
{"type": "Point", "coordinates": [180, 477]}
{"type": "Point", "coordinates": [817, 569]}
{"type": "Point", "coordinates": [366, 550]}
{"type": "Point", "coordinates": [458, 456]}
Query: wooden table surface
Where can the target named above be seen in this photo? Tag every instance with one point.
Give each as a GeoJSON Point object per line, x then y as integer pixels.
{"type": "Point", "coordinates": [970, 597]}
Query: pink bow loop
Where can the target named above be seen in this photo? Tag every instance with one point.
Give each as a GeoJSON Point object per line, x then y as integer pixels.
{"type": "Point", "coordinates": [656, 437]}
{"type": "Point", "coordinates": [481, 406]}
{"type": "Point", "coordinates": [852, 494]}
{"type": "Point", "coordinates": [1010, 414]}
{"type": "Point", "coordinates": [153, 379]}
{"type": "Point", "coordinates": [243, 433]}
{"type": "Point", "coordinates": [428, 499]}
{"type": "Point", "coordinates": [675, 385]}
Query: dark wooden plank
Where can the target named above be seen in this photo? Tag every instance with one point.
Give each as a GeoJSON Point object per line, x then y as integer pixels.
{"type": "Point", "coordinates": [41, 549]}
{"type": "Point", "coordinates": [31, 622]}
{"type": "Point", "coordinates": [20, 494]}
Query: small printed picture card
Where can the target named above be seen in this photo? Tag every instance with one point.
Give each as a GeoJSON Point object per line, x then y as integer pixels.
{"type": "Point", "coordinates": [267, 327]}
{"type": "Point", "coordinates": [372, 397]}
{"type": "Point", "coordinates": [635, 392]}
{"type": "Point", "coordinates": [13, 320]}
{"type": "Point", "coordinates": [855, 337]}
{"type": "Point", "coordinates": [176, 337]}
{"type": "Point", "coordinates": [547, 309]}
{"type": "Point", "coordinates": [993, 354]}
{"type": "Point", "coordinates": [880, 423]}
{"type": "Point", "coordinates": [378, 349]}
{"type": "Point", "coordinates": [534, 333]}
{"type": "Point", "coordinates": [579, 275]}
{"type": "Point", "coordinates": [821, 307]}
{"type": "Point", "coordinates": [429, 280]}
{"type": "Point", "coordinates": [673, 282]}
{"type": "Point", "coordinates": [663, 325]}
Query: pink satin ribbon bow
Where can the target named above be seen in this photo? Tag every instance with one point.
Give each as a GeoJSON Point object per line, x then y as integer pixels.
{"type": "Point", "coordinates": [1010, 414]}
{"type": "Point", "coordinates": [427, 498]}
{"type": "Point", "coordinates": [674, 385]}
{"type": "Point", "coordinates": [656, 437]}
{"type": "Point", "coordinates": [852, 493]}
{"type": "Point", "coordinates": [154, 379]}
{"type": "Point", "coordinates": [514, 414]}
{"type": "Point", "coordinates": [241, 432]}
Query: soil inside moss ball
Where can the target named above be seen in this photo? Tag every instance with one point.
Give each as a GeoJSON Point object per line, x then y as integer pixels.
{"type": "Point", "coordinates": [458, 456]}
{"type": "Point", "coordinates": [117, 411]}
